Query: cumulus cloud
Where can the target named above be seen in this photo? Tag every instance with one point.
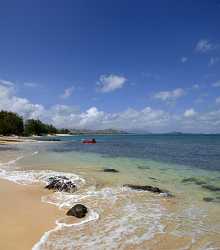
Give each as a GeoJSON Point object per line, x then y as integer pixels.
{"type": "Point", "coordinates": [67, 92]}
{"type": "Point", "coordinates": [8, 101]}
{"type": "Point", "coordinates": [170, 95]}
{"type": "Point", "coordinates": [189, 112]}
{"type": "Point", "coordinates": [204, 46]}
{"type": "Point", "coordinates": [146, 119]}
{"type": "Point", "coordinates": [109, 83]}
{"type": "Point", "coordinates": [7, 83]}
{"type": "Point", "coordinates": [184, 59]}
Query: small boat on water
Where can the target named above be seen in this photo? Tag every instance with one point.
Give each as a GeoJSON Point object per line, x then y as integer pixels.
{"type": "Point", "coordinates": [90, 141]}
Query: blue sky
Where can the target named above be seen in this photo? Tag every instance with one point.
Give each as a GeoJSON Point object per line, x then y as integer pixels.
{"type": "Point", "coordinates": [136, 65]}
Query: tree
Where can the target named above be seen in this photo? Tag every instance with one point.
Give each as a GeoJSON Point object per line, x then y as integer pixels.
{"type": "Point", "coordinates": [10, 123]}
{"type": "Point", "coordinates": [36, 127]}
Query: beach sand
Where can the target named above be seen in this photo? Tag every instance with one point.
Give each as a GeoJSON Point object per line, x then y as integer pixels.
{"type": "Point", "coordinates": [24, 218]}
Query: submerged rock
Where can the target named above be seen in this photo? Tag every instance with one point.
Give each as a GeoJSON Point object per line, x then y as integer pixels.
{"type": "Point", "coordinates": [144, 188]}
{"type": "Point", "coordinates": [194, 180]}
{"type": "Point", "coordinates": [211, 188]}
{"type": "Point", "coordinates": [149, 188]}
{"type": "Point", "coordinates": [78, 211]}
{"type": "Point", "coordinates": [110, 170]}
{"type": "Point", "coordinates": [208, 199]}
{"type": "Point", "coordinates": [61, 183]}
{"type": "Point", "coordinates": [143, 167]}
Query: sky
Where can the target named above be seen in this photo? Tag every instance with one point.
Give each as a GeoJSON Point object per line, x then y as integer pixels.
{"type": "Point", "coordinates": [134, 65]}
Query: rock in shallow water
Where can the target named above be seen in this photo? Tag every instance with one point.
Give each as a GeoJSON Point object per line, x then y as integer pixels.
{"type": "Point", "coordinates": [194, 180]}
{"type": "Point", "coordinates": [208, 199]}
{"type": "Point", "coordinates": [78, 211]}
{"type": "Point", "coordinates": [110, 170]}
{"type": "Point", "coordinates": [211, 188]}
{"type": "Point", "coordinates": [61, 183]}
{"type": "Point", "coordinates": [148, 188]}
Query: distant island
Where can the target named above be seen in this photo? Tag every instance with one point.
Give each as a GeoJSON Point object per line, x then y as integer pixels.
{"type": "Point", "coordinates": [96, 132]}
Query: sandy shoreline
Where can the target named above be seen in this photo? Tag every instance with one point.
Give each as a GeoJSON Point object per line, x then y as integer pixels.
{"type": "Point", "coordinates": [24, 218]}
{"type": "Point", "coordinates": [14, 140]}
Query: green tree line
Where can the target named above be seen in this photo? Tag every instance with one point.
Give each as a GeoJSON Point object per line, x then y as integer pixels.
{"type": "Point", "coordinates": [13, 124]}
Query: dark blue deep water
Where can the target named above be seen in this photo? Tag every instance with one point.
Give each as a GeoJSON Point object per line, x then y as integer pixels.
{"type": "Point", "coordinates": [199, 151]}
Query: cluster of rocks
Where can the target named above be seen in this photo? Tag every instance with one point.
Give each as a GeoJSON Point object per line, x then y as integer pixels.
{"type": "Point", "coordinates": [65, 184]}
{"type": "Point", "coordinates": [62, 184]}
{"type": "Point", "coordinates": [204, 185]}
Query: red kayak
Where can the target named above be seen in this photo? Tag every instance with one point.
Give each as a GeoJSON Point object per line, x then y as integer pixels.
{"type": "Point", "coordinates": [93, 141]}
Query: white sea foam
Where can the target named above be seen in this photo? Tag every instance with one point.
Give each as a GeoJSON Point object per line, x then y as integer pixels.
{"type": "Point", "coordinates": [92, 215]}
{"type": "Point", "coordinates": [11, 162]}
{"type": "Point", "coordinates": [39, 176]}
{"type": "Point", "coordinates": [123, 224]}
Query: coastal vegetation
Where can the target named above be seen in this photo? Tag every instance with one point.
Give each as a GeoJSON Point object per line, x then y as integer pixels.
{"type": "Point", "coordinates": [13, 124]}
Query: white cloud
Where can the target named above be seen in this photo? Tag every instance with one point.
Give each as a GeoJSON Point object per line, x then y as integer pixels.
{"type": "Point", "coordinates": [146, 119]}
{"type": "Point", "coordinates": [67, 92]}
{"type": "Point", "coordinates": [108, 83]}
{"type": "Point", "coordinates": [217, 100]}
{"type": "Point", "coordinates": [195, 86]}
{"type": "Point", "coordinates": [184, 59]}
{"type": "Point", "coordinates": [170, 95]}
{"type": "Point", "coordinates": [7, 83]}
{"type": "Point", "coordinates": [213, 60]}
{"type": "Point", "coordinates": [30, 84]}
{"type": "Point", "coordinates": [216, 84]}
{"type": "Point", "coordinates": [204, 46]}
{"type": "Point", "coordinates": [189, 112]}
{"type": "Point", "coordinates": [8, 101]}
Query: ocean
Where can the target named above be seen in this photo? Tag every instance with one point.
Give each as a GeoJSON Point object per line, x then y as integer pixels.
{"type": "Point", "coordinates": [188, 166]}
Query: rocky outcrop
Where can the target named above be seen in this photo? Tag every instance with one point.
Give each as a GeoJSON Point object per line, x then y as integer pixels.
{"type": "Point", "coordinates": [110, 170]}
{"type": "Point", "coordinates": [61, 183]}
{"type": "Point", "coordinates": [78, 211]}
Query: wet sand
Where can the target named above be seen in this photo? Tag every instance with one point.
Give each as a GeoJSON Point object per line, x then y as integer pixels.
{"type": "Point", "coordinates": [24, 218]}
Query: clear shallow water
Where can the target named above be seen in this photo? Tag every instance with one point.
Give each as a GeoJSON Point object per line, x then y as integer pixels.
{"type": "Point", "coordinates": [126, 219]}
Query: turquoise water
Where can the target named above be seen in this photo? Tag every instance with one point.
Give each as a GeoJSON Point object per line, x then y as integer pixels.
{"type": "Point", "coordinates": [186, 165]}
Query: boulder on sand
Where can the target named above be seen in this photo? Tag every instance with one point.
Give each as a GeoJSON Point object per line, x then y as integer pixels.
{"type": "Point", "coordinates": [61, 183]}
{"type": "Point", "coordinates": [78, 211]}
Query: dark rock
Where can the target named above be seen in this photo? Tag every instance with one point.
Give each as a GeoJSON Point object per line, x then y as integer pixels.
{"type": "Point", "coordinates": [61, 183]}
{"type": "Point", "coordinates": [208, 199]}
{"type": "Point", "coordinates": [150, 189]}
{"type": "Point", "coordinates": [144, 188]}
{"type": "Point", "coordinates": [78, 211]}
{"type": "Point", "coordinates": [143, 167]}
{"type": "Point", "coordinates": [110, 170]}
{"type": "Point", "coordinates": [152, 178]}
{"type": "Point", "coordinates": [211, 188]}
{"type": "Point", "coordinates": [194, 180]}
